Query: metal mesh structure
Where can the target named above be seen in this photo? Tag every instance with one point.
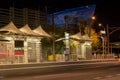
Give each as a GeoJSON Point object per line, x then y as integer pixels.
{"type": "Point", "coordinates": [22, 16]}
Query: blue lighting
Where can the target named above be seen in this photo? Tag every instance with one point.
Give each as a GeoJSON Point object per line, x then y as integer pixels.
{"type": "Point", "coordinates": [85, 12]}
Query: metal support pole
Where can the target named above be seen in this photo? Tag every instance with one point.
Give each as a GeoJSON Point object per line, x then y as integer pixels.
{"type": "Point", "coordinates": [25, 16]}
{"type": "Point", "coordinates": [12, 16]}
{"type": "Point", "coordinates": [67, 46]}
{"type": "Point", "coordinates": [54, 57]}
{"type": "Point", "coordinates": [103, 45]}
{"type": "Point", "coordinates": [108, 50]}
{"type": "Point", "coordinates": [67, 52]}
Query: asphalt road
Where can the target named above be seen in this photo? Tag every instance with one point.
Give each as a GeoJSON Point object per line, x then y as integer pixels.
{"type": "Point", "coordinates": [109, 71]}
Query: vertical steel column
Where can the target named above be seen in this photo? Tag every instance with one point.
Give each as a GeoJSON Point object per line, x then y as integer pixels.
{"type": "Point", "coordinates": [67, 52]}
{"type": "Point", "coordinates": [12, 14]}
{"type": "Point", "coordinates": [25, 16]}
{"type": "Point", "coordinates": [53, 24]}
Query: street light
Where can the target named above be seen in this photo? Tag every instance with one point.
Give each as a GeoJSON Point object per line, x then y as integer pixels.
{"type": "Point", "coordinates": [99, 24]}
{"type": "Point", "coordinates": [90, 23]}
{"type": "Point", "coordinates": [93, 17]}
{"type": "Point", "coordinates": [103, 32]}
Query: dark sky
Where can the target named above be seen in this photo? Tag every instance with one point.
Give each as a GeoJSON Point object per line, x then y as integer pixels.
{"type": "Point", "coordinates": [106, 12]}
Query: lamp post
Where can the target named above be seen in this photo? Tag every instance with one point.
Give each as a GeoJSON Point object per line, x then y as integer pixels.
{"type": "Point", "coordinates": [103, 39]}
{"type": "Point", "coordinates": [90, 23]}
{"type": "Point", "coordinates": [103, 46]}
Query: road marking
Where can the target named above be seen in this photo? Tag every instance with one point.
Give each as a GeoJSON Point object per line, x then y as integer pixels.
{"type": "Point", "coordinates": [118, 74]}
{"type": "Point", "coordinates": [109, 76]}
{"type": "Point", "coordinates": [2, 77]}
{"type": "Point", "coordinates": [98, 78]}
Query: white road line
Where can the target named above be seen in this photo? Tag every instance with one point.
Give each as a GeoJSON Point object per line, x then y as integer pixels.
{"type": "Point", "coordinates": [2, 77]}
{"type": "Point", "coordinates": [118, 74]}
{"type": "Point", "coordinates": [108, 76]}
{"type": "Point", "coordinates": [97, 78]}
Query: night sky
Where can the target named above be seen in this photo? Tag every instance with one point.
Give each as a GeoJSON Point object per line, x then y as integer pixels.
{"type": "Point", "coordinates": [106, 12]}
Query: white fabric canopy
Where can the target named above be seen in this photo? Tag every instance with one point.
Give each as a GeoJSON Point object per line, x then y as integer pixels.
{"type": "Point", "coordinates": [11, 28]}
{"type": "Point", "coordinates": [76, 36]}
{"type": "Point", "coordinates": [80, 37]}
{"type": "Point", "coordinates": [26, 29]}
{"type": "Point", "coordinates": [86, 37]}
{"type": "Point", "coordinates": [41, 32]}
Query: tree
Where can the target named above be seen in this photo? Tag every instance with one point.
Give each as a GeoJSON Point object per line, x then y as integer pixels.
{"type": "Point", "coordinates": [47, 42]}
{"type": "Point", "coordinates": [96, 41]}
